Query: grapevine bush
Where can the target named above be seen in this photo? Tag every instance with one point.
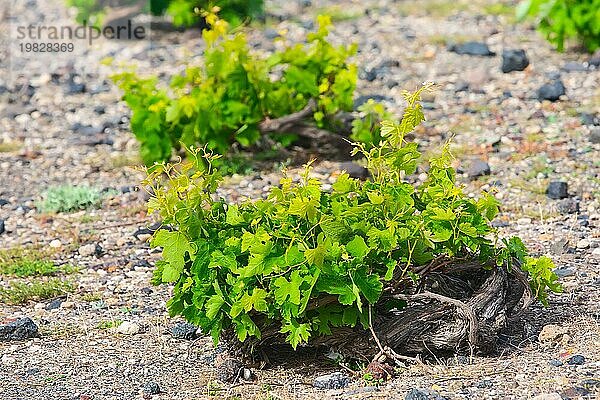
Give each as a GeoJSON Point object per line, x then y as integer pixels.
{"type": "Point", "coordinates": [184, 12]}
{"type": "Point", "coordinates": [224, 100]}
{"type": "Point", "coordinates": [561, 20]}
{"type": "Point", "coordinates": [242, 267]}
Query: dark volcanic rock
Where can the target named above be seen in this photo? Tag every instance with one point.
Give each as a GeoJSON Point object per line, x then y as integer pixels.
{"type": "Point", "coordinates": [151, 229]}
{"type": "Point", "coordinates": [230, 370]}
{"type": "Point", "coordinates": [54, 304]}
{"type": "Point", "coordinates": [557, 190]}
{"type": "Point", "coordinates": [21, 329]}
{"type": "Point", "coordinates": [572, 66]}
{"type": "Point", "coordinates": [514, 60]}
{"type": "Point", "coordinates": [595, 135]}
{"type": "Point", "coordinates": [336, 380]}
{"type": "Point", "coordinates": [97, 141]}
{"type": "Point", "coordinates": [151, 388]}
{"type": "Point", "coordinates": [568, 206]}
{"type": "Point", "coordinates": [577, 359]}
{"type": "Point", "coordinates": [461, 86]}
{"type": "Point", "coordinates": [86, 130]}
{"type": "Point", "coordinates": [2, 228]}
{"type": "Point", "coordinates": [360, 100]}
{"type": "Point", "coordinates": [380, 71]}
{"type": "Point", "coordinates": [594, 60]}
{"type": "Point", "coordinates": [12, 110]}
{"type": "Point", "coordinates": [563, 272]}
{"type": "Point", "coordinates": [354, 170]}
{"type": "Point", "coordinates": [551, 91]}
{"type": "Point", "coordinates": [75, 85]}
{"type": "Point", "coordinates": [555, 363]}
{"type": "Point", "coordinates": [423, 394]}
{"type": "Point", "coordinates": [485, 384]}
{"type": "Point", "coordinates": [590, 383]}
{"type": "Point", "coordinates": [478, 168]}
{"type": "Point", "coordinates": [183, 330]}
{"type": "Point", "coordinates": [271, 33]}
{"type": "Point", "coordinates": [589, 119]}
{"type": "Point", "coordinates": [472, 49]}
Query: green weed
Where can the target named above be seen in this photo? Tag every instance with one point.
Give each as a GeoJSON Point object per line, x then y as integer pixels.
{"type": "Point", "coordinates": [108, 324]}
{"type": "Point", "coordinates": [20, 292]}
{"type": "Point", "coordinates": [68, 198]}
{"type": "Point", "coordinates": [30, 261]}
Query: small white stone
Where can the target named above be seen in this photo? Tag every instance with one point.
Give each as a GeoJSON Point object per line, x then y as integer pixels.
{"type": "Point", "coordinates": [87, 249]}
{"type": "Point", "coordinates": [128, 328]}
{"type": "Point", "coordinates": [67, 304]}
{"type": "Point", "coordinates": [548, 396]}
{"type": "Point", "coordinates": [8, 360]}
{"type": "Point", "coordinates": [34, 348]}
{"type": "Point", "coordinates": [55, 244]}
{"type": "Point", "coordinates": [144, 237]}
{"type": "Point", "coordinates": [583, 244]}
{"type": "Point", "coordinates": [524, 221]}
{"type": "Point", "coordinates": [551, 333]}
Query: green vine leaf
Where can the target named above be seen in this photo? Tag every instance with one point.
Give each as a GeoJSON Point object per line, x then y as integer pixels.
{"type": "Point", "coordinates": [175, 247]}
{"type": "Point", "coordinates": [297, 333]}
{"type": "Point", "coordinates": [357, 247]}
{"type": "Point", "coordinates": [288, 290]}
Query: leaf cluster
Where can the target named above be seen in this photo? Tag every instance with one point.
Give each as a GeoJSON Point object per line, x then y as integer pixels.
{"type": "Point", "coordinates": [185, 12]}
{"type": "Point", "coordinates": [308, 259]}
{"type": "Point", "coordinates": [224, 100]}
{"type": "Point", "coordinates": [366, 128]}
{"type": "Point", "coordinates": [560, 20]}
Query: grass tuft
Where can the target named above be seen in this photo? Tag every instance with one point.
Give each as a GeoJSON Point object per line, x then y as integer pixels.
{"type": "Point", "coordinates": [9, 146]}
{"type": "Point", "coordinates": [432, 8]}
{"type": "Point", "coordinates": [340, 14]}
{"type": "Point", "coordinates": [23, 292]}
{"type": "Point", "coordinates": [69, 198]}
{"type": "Point", "coordinates": [30, 261]}
{"type": "Point", "coordinates": [109, 324]}
{"type": "Point", "coordinates": [23, 268]}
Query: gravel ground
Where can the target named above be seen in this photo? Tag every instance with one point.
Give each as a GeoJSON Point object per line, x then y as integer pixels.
{"type": "Point", "coordinates": [53, 131]}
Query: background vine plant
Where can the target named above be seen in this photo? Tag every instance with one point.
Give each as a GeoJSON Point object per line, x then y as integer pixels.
{"type": "Point", "coordinates": [224, 100]}
{"type": "Point", "coordinates": [184, 13]}
{"type": "Point", "coordinates": [560, 20]}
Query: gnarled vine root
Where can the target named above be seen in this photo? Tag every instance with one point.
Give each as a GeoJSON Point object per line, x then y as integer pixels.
{"type": "Point", "coordinates": [457, 308]}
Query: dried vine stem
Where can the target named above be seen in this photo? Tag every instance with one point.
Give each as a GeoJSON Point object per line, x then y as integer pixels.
{"type": "Point", "coordinates": [373, 332]}
{"type": "Point", "coordinates": [276, 124]}
{"type": "Point", "coordinates": [471, 317]}
{"type": "Point", "coordinates": [388, 351]}
{"type": "Point", "coordinates": [461, 307]}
